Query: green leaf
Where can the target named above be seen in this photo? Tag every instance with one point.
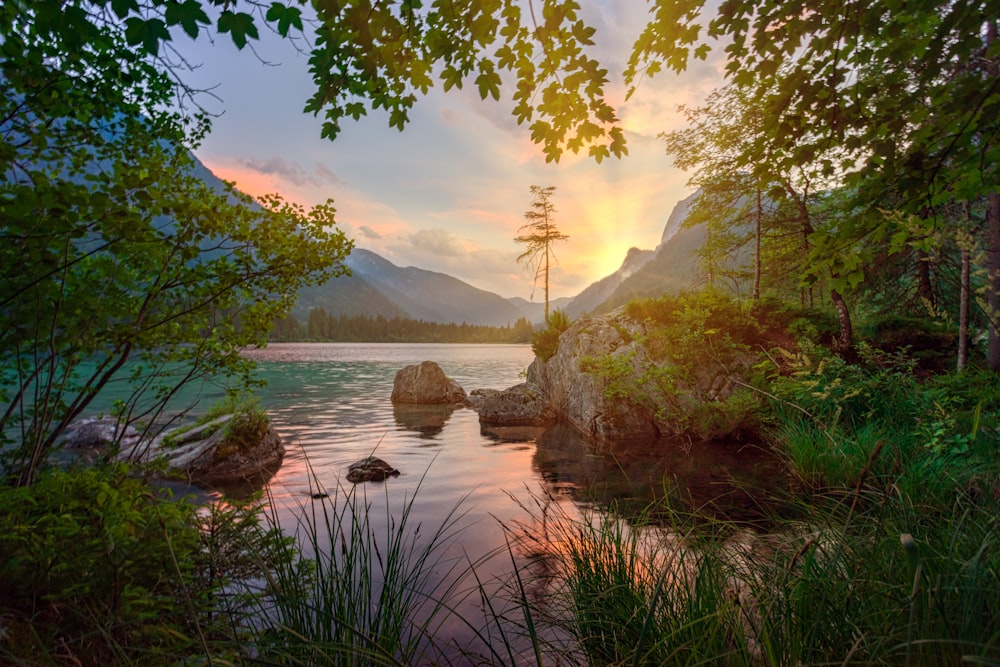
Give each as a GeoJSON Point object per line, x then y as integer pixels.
{"type": "Point", "coordinates": [239, 25]}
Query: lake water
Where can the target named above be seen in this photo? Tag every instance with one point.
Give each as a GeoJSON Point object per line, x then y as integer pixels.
{"type": "Point", "coordinates": [331, 405]}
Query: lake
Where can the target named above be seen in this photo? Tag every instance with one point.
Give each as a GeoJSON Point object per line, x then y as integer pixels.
{"type": "Point", "coordinates": [331, 404]}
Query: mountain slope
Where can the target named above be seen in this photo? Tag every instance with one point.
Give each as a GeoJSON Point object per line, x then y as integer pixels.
{"type": "Point", "coordinates": [675, 268]}
{"type": "Point", "coordinates": [535, 311]}
{"type": "Point", "coordinates": [597, 293]}
{"type": "Point", "coordinates": [379, 287]}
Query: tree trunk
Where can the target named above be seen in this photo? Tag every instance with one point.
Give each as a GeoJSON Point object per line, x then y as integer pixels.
{"type": "Point", "coordinates": [846, 337]}
{"type": "Point", "coordinates": [756, 254]}
{"type": "Point", "coordinates": [963, 313]}
{"type": "Point", "coordinates": [924, 289]}
{"type": "Point", "coordinates": [993, 282]}
{"type": "Point", "coordinates": [546, 285]}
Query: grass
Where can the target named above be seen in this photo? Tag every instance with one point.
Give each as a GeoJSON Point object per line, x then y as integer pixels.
{"type": "Point", "coordinates": [882, 580]}
{"type": "Point", "coordinates": [366, 596]}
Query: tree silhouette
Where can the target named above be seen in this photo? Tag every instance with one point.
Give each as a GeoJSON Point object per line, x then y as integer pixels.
{"type": "Point", "coordinates": [538, 235]}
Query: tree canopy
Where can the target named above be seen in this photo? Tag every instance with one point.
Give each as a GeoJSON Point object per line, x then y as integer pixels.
{"type": "Point", "coordinates": [120, 263]}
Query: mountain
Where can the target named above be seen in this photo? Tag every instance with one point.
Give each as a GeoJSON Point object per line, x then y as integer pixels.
{"type": "Point", "coordinates": [675, 267]}
{"type": "Point", "coordinates": [672, 267]}
{"type": "Point", "coordinates": [379, 287]}
{"type": "Point", "coordinates": [597, 293]}
{"type": "Point", "coordinates": [534, 311]}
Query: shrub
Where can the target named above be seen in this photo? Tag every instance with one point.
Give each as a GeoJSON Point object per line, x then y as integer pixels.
{"type": "Point", "coordinates": [96, 564]}
{"type": "Point", "coordinates": [97, 568]}
{"type": "Point", "coordinates": [545, 343]}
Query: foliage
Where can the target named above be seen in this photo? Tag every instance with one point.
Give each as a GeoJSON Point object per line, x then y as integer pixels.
{"type": "Point", "coordinates": [538, 235]}
{"type": "Point", "coordinates": [121, 264]}
{"type": "Point", "coordinates": [842, 423]}
{"type": "Point", "coordinates": [880, 580]}
{"type": "Point", "coordinates": [545, 343]}
{"type": "Point", "coordinates": [365, 597]}
{"type": "Point", "coordinates": [696, 351]}
{"type": "Point", "coordinates": [97, 568]}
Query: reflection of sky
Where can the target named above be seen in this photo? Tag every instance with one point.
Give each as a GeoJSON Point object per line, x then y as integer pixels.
{"type": "Point", "coordinates": [449, 193]}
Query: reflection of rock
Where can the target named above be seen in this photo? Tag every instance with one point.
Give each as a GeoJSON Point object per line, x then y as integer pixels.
{"type": "Point", "coordinates": [425, 383]}
{"type": "Point", "coordinates": [511, 433]}
{"type": "Point", "coordinates": [520, 405]}
{"type": "Point", "coordinates": [371, 469]}
{"type": "Point", "coordinates": [427, 420]}
{"type": "Point", "coordinates": [215, 452]}
{"type": "Point", "coordinates": [725, 479]}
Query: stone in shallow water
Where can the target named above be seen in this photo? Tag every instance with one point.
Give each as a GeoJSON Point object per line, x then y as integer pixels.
{"type": "Point", "coordinates": [425, 383]}
{"type": "Point", "coordinates": [371, 469]}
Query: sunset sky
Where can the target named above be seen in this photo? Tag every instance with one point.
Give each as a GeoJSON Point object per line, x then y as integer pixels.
{"type": "Point", "coordinates": [449, 193]}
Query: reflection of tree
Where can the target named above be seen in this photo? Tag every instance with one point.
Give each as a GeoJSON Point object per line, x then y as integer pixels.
{"type": "Point", "coordinates": [728, 480]}
{"type": "Point", "coordinates": [427, 420]}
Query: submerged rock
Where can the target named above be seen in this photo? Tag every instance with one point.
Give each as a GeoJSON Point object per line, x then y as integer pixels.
{"type": "Point", "coordinates": [371, 469]}
{"type": "Point", "coordinates": [425, 383]}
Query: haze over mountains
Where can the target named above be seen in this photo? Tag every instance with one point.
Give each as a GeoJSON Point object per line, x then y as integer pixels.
{"type": "Point", "coordinates": [379, 287]}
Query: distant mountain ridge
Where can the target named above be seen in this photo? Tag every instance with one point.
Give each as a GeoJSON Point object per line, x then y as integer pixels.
{"type": "Point", "coordinates": [379, 287]}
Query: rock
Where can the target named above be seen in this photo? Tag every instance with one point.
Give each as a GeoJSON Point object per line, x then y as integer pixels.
{"type": "Point", "coordinates": [210, 453]}
{"type": "Point", "coordinates": [638, 406]}
{"type": "Point", "coordinates": [98, 432]}
{"type": "Point", "coordinates": [425, 383]}
{"type": "Point", "coordinates": [371, 469]}
{"type": "Point", "coordinates": [521, 405]}
{"type": "Point", "coordinates": [476, 397]}
{"type": "Point", "coordinates": [579, 397]}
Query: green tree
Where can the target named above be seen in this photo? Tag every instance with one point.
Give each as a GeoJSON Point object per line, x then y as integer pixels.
{"type": "Point", "coordinates": [879, 96]}
{"type": "Point", "coordinates": [538, 235]}
{"type": "Point", "coordinates": [121, 267]}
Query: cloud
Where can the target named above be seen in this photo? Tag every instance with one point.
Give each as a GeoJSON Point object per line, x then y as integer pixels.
{"type": "Point", "coordinates": [439, 242]}
{"type": "Point", "coordinates": [293, 172]}
{"type": "Point", "coordinates": [368, 232]}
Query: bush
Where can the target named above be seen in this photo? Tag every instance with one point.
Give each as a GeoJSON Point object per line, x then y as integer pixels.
{"type": "Point", "coordinates": [545, 343]}
{"type": "Point", "coordinates": [97, 568]}
{"type": "Point", "coordinates": [95, 564]}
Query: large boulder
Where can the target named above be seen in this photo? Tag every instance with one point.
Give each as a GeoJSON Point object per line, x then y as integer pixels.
{"type": "Point", "coordinates": [425, 383]}
{"type": "Point", "coordinates": [581, 398]}
{"type": "Point", "coordinates": [521, 405]}
{"type": "Point", "coordinates": [606, 382]}
{"type": "Point", "coordinates": [221, 450]}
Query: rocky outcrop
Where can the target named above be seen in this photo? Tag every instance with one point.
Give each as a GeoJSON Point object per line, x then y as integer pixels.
{"type": "Point", "coordinates": [371, 469]}
{"type": "Point", "coordinates": [520, 405]}
{"type": "Point", "coordinates": [213, 452]}
{"type": "Point", "coordinates": [98, 433]}
{"type": "Point", "coordinates": [579, 397]}
{"type": "Point", "coordinates": [640, 401]}
{"type": "Point", "coordinates": [425, 383]}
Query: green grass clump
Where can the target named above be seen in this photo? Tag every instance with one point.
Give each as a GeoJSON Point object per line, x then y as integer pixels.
{"type": "Point", "coordinates": [875, 580]}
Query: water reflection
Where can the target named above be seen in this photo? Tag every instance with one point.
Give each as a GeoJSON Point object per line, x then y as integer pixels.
{"type": "Point", "coordinates": [427, 420]}
{"type": "Point", "coordinates": [734, 481]}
